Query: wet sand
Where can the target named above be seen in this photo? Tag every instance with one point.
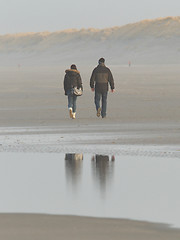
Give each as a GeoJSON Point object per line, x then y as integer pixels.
{"type": "Point", "coordinates": [34, 226]}
{"type": "Point", "coordinates": [144, 110]}
{"type": "Point", "coordinates": [146, 103]}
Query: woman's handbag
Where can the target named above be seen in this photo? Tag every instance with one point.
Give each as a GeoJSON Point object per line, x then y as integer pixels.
{"type": "Point", "coordinates": [77, 92]}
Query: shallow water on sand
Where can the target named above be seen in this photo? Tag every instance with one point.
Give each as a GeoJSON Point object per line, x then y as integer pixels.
{"type": "Point", "coordinates": [134, 187]}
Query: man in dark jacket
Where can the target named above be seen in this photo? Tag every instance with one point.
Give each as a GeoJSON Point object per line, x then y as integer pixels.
{"type": "Point", "coordinates": [100, 80]}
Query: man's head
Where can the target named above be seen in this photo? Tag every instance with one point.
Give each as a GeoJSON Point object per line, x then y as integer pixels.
{"type": "Point", "coordinates": [101, 60]}
{"type": "Point", "coordinates": [73, 66]}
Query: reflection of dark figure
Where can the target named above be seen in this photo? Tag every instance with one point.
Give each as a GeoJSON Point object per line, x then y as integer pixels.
{"type": "Point", "coordinates": [102, 169]}
{"type": "Point", "coordinates": [74, 156]}
{"type": "Point", "coordinates": [73, 166]}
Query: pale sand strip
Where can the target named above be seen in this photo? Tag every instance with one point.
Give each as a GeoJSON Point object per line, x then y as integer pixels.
{"type": "Point", "coordinates": [45, 227]}
{"type": "Point", "coordinates": [89, 139]}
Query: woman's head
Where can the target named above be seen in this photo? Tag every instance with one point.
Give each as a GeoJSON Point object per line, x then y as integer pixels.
{"type": "Point", "coordinates": [73, 66]}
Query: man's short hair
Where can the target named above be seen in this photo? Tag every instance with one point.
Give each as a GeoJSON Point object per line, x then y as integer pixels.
{"type": "Point", "coordinates": [101, 60]}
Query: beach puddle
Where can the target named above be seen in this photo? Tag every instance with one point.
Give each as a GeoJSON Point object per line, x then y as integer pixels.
{"type": "Point", "coordinates": [139, 187]}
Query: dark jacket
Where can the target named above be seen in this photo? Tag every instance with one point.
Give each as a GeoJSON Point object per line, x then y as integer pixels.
{"type": "Point", "coordinates": [72, 79]}
{"type": "Point", "coordinates": [100, 77]}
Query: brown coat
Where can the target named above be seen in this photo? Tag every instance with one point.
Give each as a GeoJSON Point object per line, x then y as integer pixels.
{"type": "Point", "coordinates": [100, 79]}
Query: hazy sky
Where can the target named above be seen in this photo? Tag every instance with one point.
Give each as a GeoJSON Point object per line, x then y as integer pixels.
{"type": "Point", "coordinates": [52, 15]}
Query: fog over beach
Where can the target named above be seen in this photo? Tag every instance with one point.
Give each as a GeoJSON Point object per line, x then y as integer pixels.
{"type": "Point", "coordinates": [139, 138]}
{"type": "Point", "coordinates": [149, 41]}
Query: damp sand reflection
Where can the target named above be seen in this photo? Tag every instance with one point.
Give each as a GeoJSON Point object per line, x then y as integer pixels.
{"type": "Point", "coordinates": [133, 187]}
{"type": "Point", "coordinates": [102, 167]}
{"type": "Point", "coordinates": [73, 167]}
{"type": "Point", "coordinates": [102, 170]}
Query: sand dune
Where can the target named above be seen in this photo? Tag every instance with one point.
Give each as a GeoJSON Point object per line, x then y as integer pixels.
{"type": "Point", "coordinates": [148, 41]}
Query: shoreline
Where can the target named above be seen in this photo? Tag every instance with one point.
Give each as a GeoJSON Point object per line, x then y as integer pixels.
{"type": "Point", "coordinates": [42, 226]}
{"type": "Point", "coordinates": [136, 140]}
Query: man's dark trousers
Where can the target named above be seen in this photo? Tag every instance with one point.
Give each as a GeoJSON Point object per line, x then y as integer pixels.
{"type": "Point", "coordinates": [98, 97]}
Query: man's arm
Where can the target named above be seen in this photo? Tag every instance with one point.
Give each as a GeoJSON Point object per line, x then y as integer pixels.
{"type": "Point", "coordinates": [64, 83]}
{"type": "Point", "coordinates": [92, 80]}
{"type": "Point", "coordinates": [111, 80]}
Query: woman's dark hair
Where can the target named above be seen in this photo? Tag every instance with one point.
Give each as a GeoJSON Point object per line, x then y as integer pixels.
{"type": "Point", "coordinates": [73, 66]}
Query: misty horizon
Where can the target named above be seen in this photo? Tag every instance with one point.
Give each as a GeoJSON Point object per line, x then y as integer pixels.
{"type": "Point", "coordinates": [48, 31]}
{"type": "Point", "coordinates": [147, 41]}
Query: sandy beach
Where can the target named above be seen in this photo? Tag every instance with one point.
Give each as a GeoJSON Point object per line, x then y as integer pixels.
{"type": "Point", "coordinates": [144, 94]}
{"type": "Point", "coordinates": [14, 226]}
{"type": "Point", "coordinates": [143, 118]}
{"type": "Point", "coordinates": [145, 104]}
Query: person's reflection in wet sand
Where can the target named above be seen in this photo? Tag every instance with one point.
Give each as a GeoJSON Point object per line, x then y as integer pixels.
{"type": "Point", "coordinates": [73, 165]}
{"type": "Point", "coordinates": [103, 170]}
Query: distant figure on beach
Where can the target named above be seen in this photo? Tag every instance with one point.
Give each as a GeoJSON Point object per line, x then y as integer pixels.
{"type": "Point", "coordinates": [129, 63]}
{"type": "Point", "coordinates": [100, 80]}
{"type": "Point", "coordinates": [72, 79]}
